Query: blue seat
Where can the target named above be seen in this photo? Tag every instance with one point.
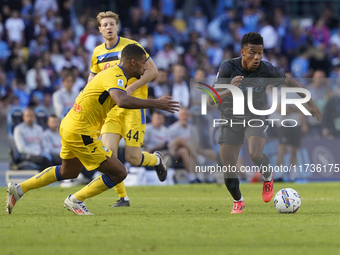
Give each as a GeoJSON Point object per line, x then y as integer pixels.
{"type": "Point", "coordinates": [14, 117]}
{"type": "Point", "coordinates": [42, 116]}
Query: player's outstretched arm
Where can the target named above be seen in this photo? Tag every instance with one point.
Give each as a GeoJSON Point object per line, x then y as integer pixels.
{"type": "Point", "coordinates": [312, 107]}
{"type": "Point", "coordinates": [124, 101]}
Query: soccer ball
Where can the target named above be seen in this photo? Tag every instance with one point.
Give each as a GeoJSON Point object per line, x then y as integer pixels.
{"type": "Point", "coordinates": [287, 201]}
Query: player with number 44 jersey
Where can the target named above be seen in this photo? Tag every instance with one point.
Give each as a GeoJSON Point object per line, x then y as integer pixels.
{"type": "Point", "coordinates": [122, 123]}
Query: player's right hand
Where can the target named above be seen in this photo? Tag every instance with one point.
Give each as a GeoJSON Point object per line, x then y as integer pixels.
{"type": "Point", "coordinates": [166, 104]}
{"type": "Point", "coordinates": [236, 81]}
{"type": "Point", "coordinates": [314, 110]}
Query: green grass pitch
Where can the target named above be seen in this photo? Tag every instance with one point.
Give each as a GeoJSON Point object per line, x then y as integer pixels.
{"type": "Point", "coordinates": [183, 219]}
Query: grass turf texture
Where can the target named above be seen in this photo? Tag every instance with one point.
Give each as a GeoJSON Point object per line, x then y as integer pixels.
{"type": "Point", "coordinates": [179, 219]}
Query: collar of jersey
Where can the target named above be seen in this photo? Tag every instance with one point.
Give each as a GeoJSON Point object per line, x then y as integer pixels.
{"type": "Point", "coordinates": [114, 45]}
{"type": "Point", "coordinates": [123, 71]}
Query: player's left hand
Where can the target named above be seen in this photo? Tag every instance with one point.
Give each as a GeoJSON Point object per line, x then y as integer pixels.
{"type": "Point", "coordinates": [314, 110]}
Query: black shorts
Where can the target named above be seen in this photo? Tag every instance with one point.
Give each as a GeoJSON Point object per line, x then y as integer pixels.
{"type": "Point", "coordinates": [290, 136]}
{"type": "Point", "coordinates": [236, 135]}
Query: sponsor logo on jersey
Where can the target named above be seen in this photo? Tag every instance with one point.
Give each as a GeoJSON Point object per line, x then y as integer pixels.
{"type": "Point", "coordinates": [107, 65]}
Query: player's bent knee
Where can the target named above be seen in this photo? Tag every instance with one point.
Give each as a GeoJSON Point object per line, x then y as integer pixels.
{"type": "Point", "coordinates": [256, 156]}
{"type": "Point", "coordinates": [117, 174]}
{"type": "Point", "coordinates": [120, 175]}
{"type": "Point", "coordinates": [123, 175]}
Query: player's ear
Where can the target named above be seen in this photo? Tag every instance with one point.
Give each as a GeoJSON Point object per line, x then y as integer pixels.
{"type": "Point", "coordinates": [242, 52]}
{"type": "Point", "coordinates": [133, 61]}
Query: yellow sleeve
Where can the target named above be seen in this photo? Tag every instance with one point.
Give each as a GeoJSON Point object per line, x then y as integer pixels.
{"type": "Point", "coordinates": [94, 66]}
{"type": "Point", "coordinates": [119, 83]}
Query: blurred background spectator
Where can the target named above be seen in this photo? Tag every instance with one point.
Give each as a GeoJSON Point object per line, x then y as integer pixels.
{"type": "Point", "coordinates": [290, 137]}
{"type": "Point", "coordinates": [180, 88]}
{"type": "Point", "coordinates": [28, 140]}
{"type": "Point", "coordinates": [33, 73]}
{"type": "Point", "coordinates": [51, 140]}
{"type": "Point", "coordinates": [64, 97]}
{"type": "Point", "coordinates": [331, 117]}
{"type": "Point", "coordinates": [320, 92]}
{"type": "Point", "coordinates": [156, 134]}
{"type": "Point", "coordinates": [179, 145]}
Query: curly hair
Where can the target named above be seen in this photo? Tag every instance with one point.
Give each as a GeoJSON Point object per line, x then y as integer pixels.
{"type": "Point", "coordinates": [131, 51]}
{"type": "Point", "coordinates": [252, 38]}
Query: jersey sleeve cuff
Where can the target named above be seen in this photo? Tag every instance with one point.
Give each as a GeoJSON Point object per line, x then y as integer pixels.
{"type": "Point", "coordinates": [148, 58]}
{"type": "Point", "coordinates": [117, 89]}
{"type": "Point", "coordinates": [93, 73]}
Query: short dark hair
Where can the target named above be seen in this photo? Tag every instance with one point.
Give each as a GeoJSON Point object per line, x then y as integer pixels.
{"type": "Point", "coordinates": [159, 112]}
{"type": "Point", "coordinates": [53, 116]}
{"type": "Point", "coordinates": [21, 80]}
{"type": "Point", "coordinates": [131, 51]}
{"type": "Point", "coordinates": [252, 38]}
{"type": "Point", "coordinates": [303, 49]}
{"type": "Point", "coordinates": [68, 74]}
{"type": "Point", "coordinates": [29, 108]}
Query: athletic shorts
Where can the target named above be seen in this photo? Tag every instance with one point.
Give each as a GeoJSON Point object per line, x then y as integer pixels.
{"type": "Point", "coordinates": [89, 150]}
{"type": "Point", "coordinates": [236, 135]}
{"type": "Point", "coordinates": [290, 136]}
{"type": "Point", "coordinates": [129, 123]}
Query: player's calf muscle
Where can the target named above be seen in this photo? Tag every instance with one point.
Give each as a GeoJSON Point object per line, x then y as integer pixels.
{"type": "Point", "coordinates": [70, 168]}
{"type": "Point", "coordinates": [134, 160]}
{"type": "Point", "coordinates": [133, 155]}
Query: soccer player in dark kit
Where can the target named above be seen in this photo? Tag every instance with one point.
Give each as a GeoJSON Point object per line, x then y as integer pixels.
{"type": "Point", "coordinates": [249, 71]}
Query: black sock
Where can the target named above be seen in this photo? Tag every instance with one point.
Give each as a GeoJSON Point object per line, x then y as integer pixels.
{"type": "Point", "coordinates": [232, 185]}
{"type": "Point", "coordinates": [264, 162]}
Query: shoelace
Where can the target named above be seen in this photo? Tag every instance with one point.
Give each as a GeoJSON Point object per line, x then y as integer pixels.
{"type": "Point", "coordinates": [237, 206]}
{"type": "Point", "coordinates": [267, 187]}
{"type": "Point", "coordinates": [83, 206]}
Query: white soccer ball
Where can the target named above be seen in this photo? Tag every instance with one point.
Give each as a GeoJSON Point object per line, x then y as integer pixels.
{"type": "Point", "coordinates": [287, 201]}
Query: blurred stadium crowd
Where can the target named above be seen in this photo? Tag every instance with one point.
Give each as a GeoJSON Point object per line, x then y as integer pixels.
{"type": "Point", "coordinates": [46, 48]}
